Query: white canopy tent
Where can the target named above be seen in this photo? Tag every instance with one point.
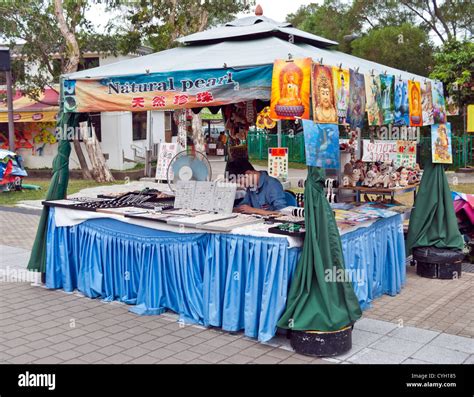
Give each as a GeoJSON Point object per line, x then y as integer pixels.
{"type": "Point", "coordinates": [245, 42]}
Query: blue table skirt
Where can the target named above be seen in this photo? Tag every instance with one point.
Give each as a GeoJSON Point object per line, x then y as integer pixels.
{"type": "Point", "coordinates": [229, 281]}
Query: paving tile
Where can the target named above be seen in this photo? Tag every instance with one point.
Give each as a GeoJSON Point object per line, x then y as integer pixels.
{"type": "Point", "coordinates": [213, 357]}
{"type": "Point", "coordinates": [402, 347]}
{"type": "Point", "coordinates": [440, 355]}
{"type": "Point", "coordinates": [161, 354]}
{"type": "Point", "coordinates": [375, 326]}
{"type": "Point", "coordinates": [372, 356]}
{"type": "Point", "coordinates": [454, 342]}
{"type": "Point", "coordinates": [414, 334]}
{"type": "Point", "coordinates": [364, 338]}
{"type": "Point", "coordinates": [118, 359]}
{"type": "Point", "coordinates": [266, 359]}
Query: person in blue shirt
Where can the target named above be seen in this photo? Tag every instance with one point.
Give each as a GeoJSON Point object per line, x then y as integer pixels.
{"type": "Point", "coordinates": [264, 194]}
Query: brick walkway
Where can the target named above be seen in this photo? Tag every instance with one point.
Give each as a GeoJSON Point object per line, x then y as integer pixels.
{"type": "Point", "coordinates": [44, 326]}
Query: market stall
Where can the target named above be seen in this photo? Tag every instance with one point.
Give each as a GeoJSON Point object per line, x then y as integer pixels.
{"type": "Point", "coordinates": [214, 267]}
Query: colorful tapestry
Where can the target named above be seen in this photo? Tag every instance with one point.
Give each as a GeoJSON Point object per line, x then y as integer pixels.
{"type": "Point", "coordinates": [401, 103]}
{"type": "Point", "coordinates": [341, 89]}
{"type": "Point", "coordinates": [414, 101]}
{"type": "Point", "coordinates": [324, 108]}
{"type": "Point", "coordinates": [426, 103]}
{"type": "Point", "coordinates": [374, 100]}
{"type": "Point", "coordinates": [386, 91]}
{"type": "Point", "coordinates": [441, 150]}
{"type": "Point", "coordinates": [356, 108]}
{"type": "Point", "coordinates": [290, 89]}
{"type": "Point", "coordinates": [321, 144]}
{"type": "Point", "coordinates": [439, 105]}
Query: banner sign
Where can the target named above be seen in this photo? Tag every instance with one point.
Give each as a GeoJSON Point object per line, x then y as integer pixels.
{"type": "Point", "coordinates": [379, 150]}
{"type": "Point", "coordinates": [168, 91]}
{"type": "Point", "coordinates": [406, 154]}
{"type": "Point", "coordinates": [166, 153]}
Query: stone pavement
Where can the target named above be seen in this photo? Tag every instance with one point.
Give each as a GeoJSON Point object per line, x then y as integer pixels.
{"type": "Point", "coordinates": [429, 322]}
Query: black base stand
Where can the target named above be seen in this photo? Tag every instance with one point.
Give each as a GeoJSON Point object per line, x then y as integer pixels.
{"type": "Point", "coordinates": [442, 263]}
{"type": "Point", "coordinates": [322, 344]}
{"type": "Point", "coordinates": [445, 271]}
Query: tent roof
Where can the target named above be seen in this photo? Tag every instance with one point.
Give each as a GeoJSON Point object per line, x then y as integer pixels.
{"type": "Point", "coordinates": [234, 54]}
{"type": "Point", "coordinates": [251, 28]}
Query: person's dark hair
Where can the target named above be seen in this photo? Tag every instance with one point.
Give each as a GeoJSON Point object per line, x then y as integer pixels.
{"type": "Point", "coordinates": [238, 167]}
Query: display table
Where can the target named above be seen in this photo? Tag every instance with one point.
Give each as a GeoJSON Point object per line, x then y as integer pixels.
{"type": "Point", "coordinates": [234, 281]}
{"type": "Point", "coordinates": [392, 192]}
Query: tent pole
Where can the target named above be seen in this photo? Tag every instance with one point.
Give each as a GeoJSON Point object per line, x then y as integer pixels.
{"type": "Point", "coordinates": [279, 133]}
{"type": "Point", "coordinates": [11, 127]}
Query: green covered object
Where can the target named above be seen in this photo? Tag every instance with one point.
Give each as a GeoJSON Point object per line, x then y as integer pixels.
{"type": "Point", "coordinates": [316, 303]}
{"type": "Point", "coordinates": [57, 190]}
{"type": "Point", "coordinates": [433, 222]}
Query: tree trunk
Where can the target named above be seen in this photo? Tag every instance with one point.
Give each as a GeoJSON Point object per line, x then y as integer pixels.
{"type": "Point", "coordinates": [86, 174]}
{"type": "Point", "coordinates": [100, 171]}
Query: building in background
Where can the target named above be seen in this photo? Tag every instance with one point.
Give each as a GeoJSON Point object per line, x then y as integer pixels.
{"type": "Point", "coordinates": [124, 136]}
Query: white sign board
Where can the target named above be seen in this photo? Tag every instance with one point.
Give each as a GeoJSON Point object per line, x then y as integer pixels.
{"type": "Point", "coordinates": [166, 152]}
{"type": "Point", "coordinates": [278, 162]}
{"type": "Point", "coordinates": [379, 150]}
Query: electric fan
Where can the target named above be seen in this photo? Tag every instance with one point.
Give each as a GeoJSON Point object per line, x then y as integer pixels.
{"type": "Point", "coordinates": [188, 167]}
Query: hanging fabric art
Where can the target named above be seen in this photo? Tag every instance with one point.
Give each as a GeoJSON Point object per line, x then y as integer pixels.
{"type": "Point", "coordinates": [341, 80]}
{"type": "Point", "coordinates": [426, 103]}
{"type": "Point", "coordinates": [290, 89]}
{"type": "Point", "coordinates": [401, 103]}
{"type": "Point", "coordinates": [356, 107]}
{"type": "Point", "coordinates": [414, 101]}
{"type": "Point", "coordinates": [374, 100]}
{"type": "Point", "coordinates": [386, 90]}
{"type": "Point", "coordinates": [324, 108]}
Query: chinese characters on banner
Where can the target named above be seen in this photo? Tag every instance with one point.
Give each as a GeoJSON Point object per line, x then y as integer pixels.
{"type": "Point", "coordinates": [290, 89]}
{"type": "Point", "coordinates": [166, 152]}
{"type": "Point", "coordinates": [441, 151]}
{"type": "Point", "coordinates": [406, 154]}
{"type": "Point", "coordinates": [278, 162]}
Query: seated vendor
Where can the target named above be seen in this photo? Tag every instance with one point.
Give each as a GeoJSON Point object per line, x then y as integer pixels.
{"type": "Point", "coordinates": [264, 194]}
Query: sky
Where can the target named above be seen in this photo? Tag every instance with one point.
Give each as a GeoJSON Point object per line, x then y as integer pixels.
{"type": "Point", "coordinates": [275, 9]}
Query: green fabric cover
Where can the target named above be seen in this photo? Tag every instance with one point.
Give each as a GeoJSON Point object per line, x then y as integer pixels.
{"type": "Point", "coordinates": [57, 190]}
{"type": "Point", "coordinates": [433, 222]}
{"type": "Point", "coordinates": [314, 303]}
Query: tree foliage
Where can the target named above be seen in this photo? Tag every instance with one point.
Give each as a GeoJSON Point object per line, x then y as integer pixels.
{"type": "Point", "coordinates": [404, 47]}
{"type": "Point", "coordinates": [161, 22]}
{"type": "Point", "coordinates": [31, 30]}
{"type": "Point", "coordinates": [454, 66]}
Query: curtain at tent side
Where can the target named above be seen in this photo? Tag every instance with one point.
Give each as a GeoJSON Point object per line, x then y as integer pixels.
{"type": "Point", "coordinates": [57, 189]}
{"type": "Point", "coordinates": [314, 301]}
{"type": "Point", "coordinates": [433, 221]}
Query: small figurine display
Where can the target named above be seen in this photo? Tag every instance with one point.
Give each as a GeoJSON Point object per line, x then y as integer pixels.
{"type": "Point", "coordinates": [379, 175]}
